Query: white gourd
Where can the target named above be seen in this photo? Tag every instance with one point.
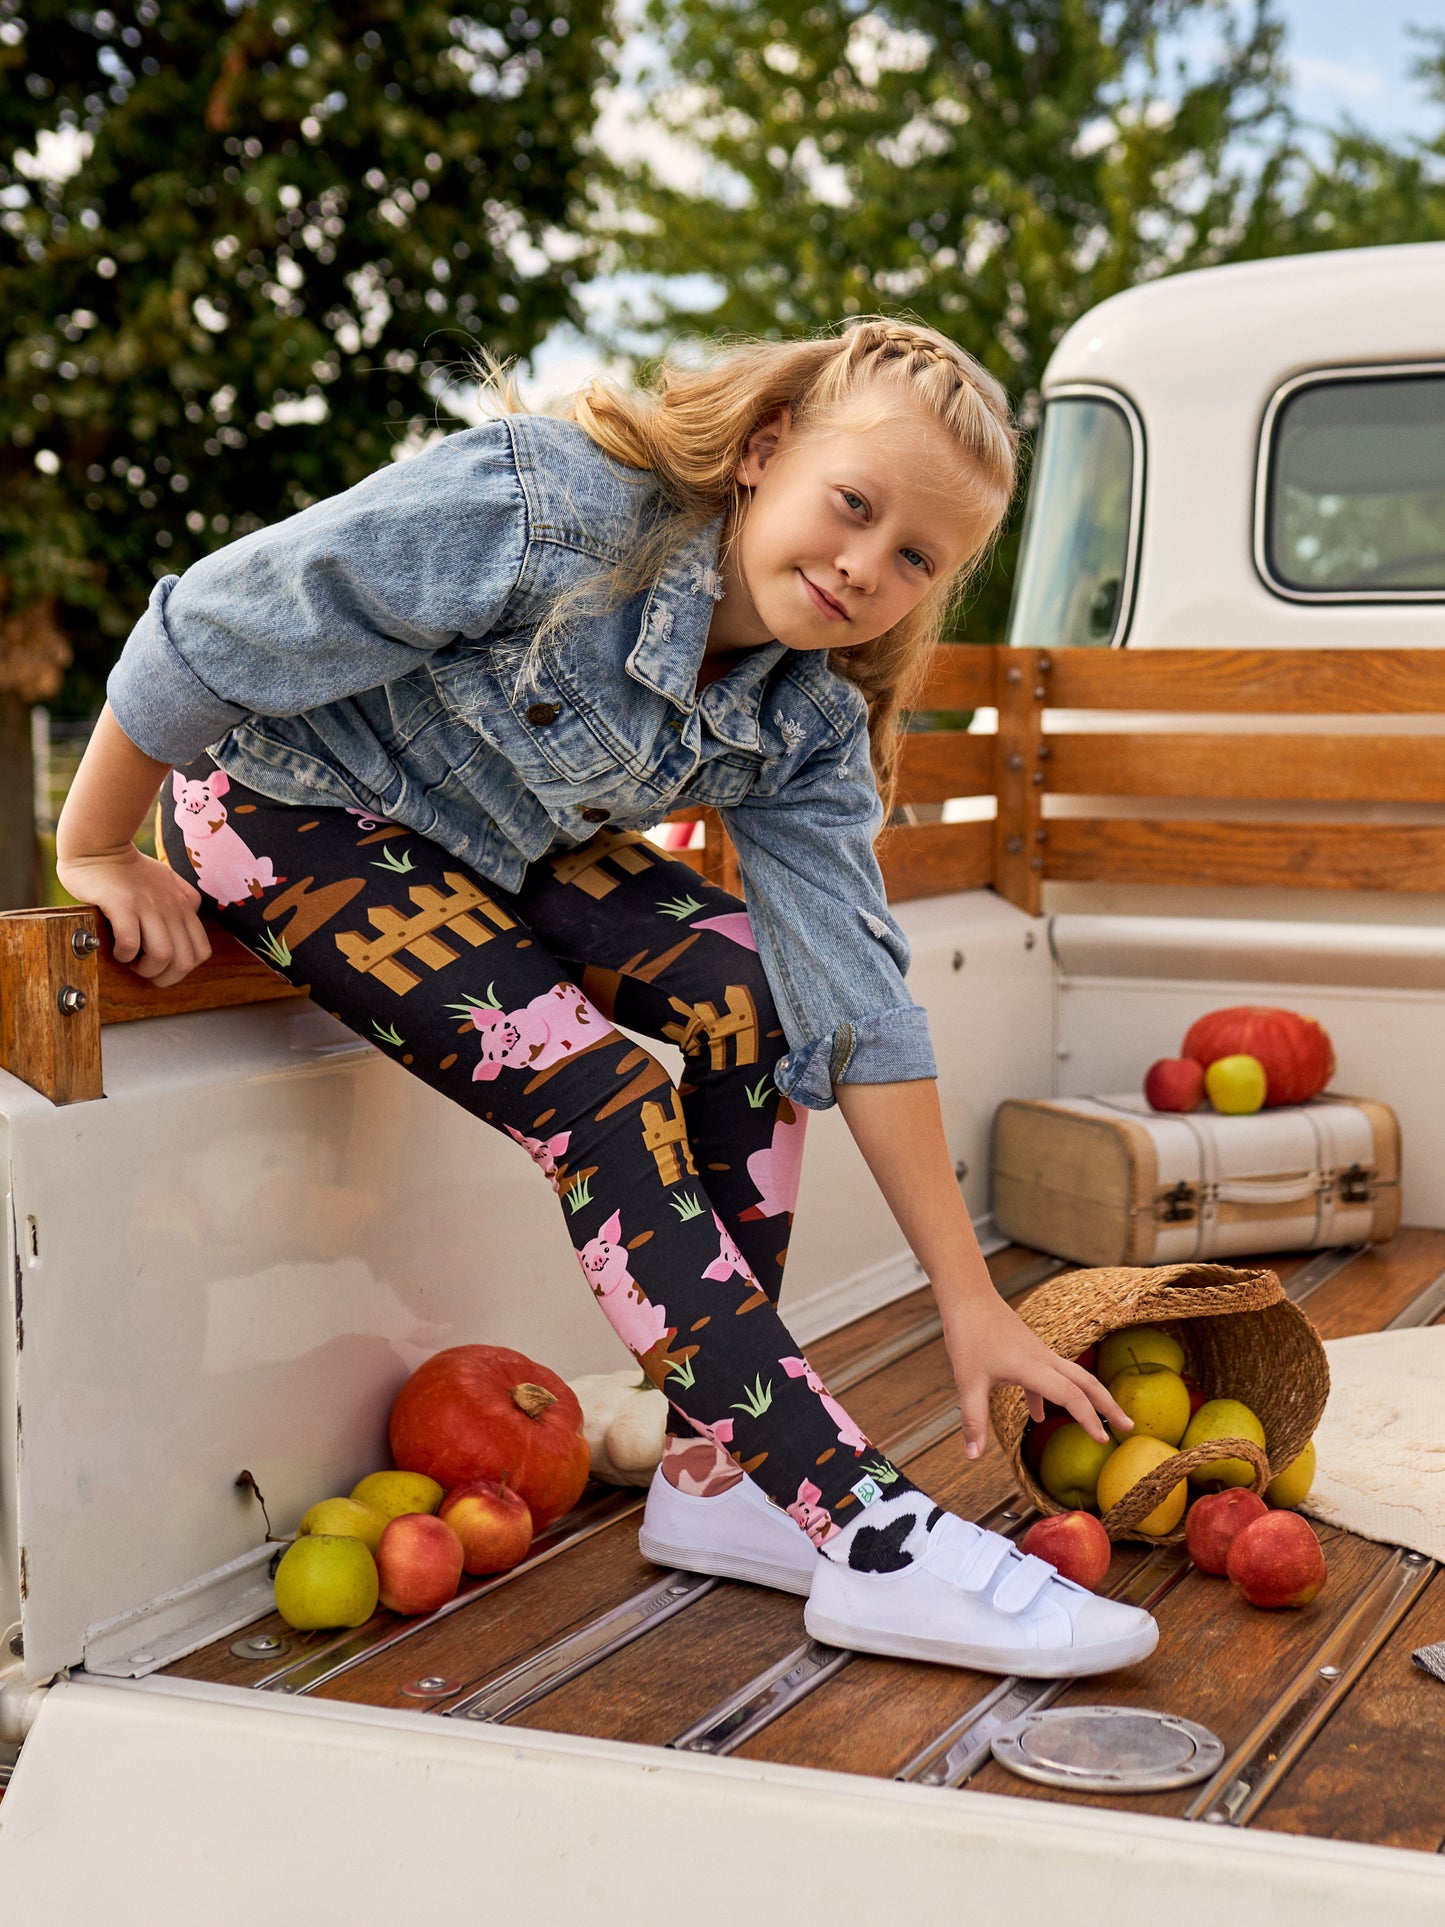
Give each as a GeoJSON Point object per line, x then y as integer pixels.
{"type": "Point", "coordinates": [624, 1419]}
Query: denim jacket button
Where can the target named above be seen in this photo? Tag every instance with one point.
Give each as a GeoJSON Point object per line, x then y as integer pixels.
{"type": "Point", "coordinates": [543, 713]}
{"type": "Point", "coordinates": [595, 815]}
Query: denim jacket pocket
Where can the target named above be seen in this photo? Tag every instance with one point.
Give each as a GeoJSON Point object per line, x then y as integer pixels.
{"type": "Point", "coordinates": [547, 731]}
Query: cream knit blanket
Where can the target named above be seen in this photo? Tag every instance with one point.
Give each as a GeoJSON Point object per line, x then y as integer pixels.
{"type": "Point", "coordinates": [1381, 1442]}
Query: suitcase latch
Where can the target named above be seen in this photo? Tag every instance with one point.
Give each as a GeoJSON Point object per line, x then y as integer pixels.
{"type": "Point", "coordinates": [1356, 1185]}
{"type": "Point", "coordinates": [1177, 1205]}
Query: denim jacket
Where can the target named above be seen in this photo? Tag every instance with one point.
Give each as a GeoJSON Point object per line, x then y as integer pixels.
{"type": "Point", "coordinates": [365, 652]}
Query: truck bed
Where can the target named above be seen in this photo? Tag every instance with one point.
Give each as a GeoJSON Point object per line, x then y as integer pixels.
{"type": "Point", "coordinates": [1327, 1727]}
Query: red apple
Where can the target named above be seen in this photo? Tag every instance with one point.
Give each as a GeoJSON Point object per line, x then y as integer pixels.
{"type": "Point", "coordinates": [1277, 1561]}
{"type": "Point", "coordinates": [1037, 1436]}
{"type": "Point", "coordinates": [1197, 1394]}
{"type": "Point", "coordinates": [1088, 1357]}
{"type": "Point", "coordinates": [1212, 1522]}
{"type": "Point", "coordinates": [1174, 1084]}
{"type": "Point", "coordinates": [419, 1563]}
{"type": "Point", "coordinates": [1074, 1542]}
{"type": "Point", "coordinates": [493, 1524]}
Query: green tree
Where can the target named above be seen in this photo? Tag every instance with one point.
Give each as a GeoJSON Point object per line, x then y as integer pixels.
{"type": "Point", "coordinates": [994, 167]}
{"type": "Point", "coordinates": [245, 241]}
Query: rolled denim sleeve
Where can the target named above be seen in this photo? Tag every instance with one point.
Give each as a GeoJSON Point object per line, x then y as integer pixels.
{"type": "Point", "coordinates": [344, 596]}
{"type": "Point", "coordinates": [833, 954]}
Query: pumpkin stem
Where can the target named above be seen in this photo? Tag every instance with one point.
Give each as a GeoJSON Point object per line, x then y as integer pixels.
{"type": "Point", "coordinates": [533, 1399]}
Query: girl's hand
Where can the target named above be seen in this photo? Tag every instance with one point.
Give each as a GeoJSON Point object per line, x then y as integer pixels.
{"type": "Point", "coordinates": [989, 1344]}
{"type": "Point", "coordinates": [153, 913]}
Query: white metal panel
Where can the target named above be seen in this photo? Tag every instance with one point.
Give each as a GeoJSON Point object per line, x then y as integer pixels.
{"type": "Point", "coordinates": [241, 1252]}
{"type": "Point", "coordinates": [174, 1801]}
{"type": "Point", "coordinates": [1199, 355]}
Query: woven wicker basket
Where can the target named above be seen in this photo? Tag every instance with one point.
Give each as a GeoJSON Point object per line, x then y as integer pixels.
{"type": "Point", "coordinates": [1242, 1339]}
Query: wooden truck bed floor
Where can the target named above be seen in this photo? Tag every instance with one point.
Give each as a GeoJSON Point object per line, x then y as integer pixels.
{"type": "Point", "coordinates": [1355, 1751]}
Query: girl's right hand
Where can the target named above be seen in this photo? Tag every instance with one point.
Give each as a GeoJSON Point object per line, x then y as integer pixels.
{"type": "Point", "coordinates": [153, 913]}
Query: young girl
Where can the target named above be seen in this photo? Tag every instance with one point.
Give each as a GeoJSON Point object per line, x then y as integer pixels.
{"type": "Point", "coordinates": [417, 702]}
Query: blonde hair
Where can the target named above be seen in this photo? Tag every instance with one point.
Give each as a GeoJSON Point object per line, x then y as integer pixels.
{"type": "Point", "coordinates": [690, 427]}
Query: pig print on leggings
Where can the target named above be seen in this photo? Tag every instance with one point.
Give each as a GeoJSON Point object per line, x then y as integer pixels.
{"type": "Point", "coordinates": [848, 1433]}
{"type": "Point", "coordinates": [560, 1023]}
{"type": "Point", "coordinates": [638, 1323]}
{"type": "Point", "coordinates": [225, 866]}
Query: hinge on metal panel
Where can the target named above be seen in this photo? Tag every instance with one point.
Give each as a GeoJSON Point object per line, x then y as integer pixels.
{"type": "Point", "coordinates": [1176, 1206]}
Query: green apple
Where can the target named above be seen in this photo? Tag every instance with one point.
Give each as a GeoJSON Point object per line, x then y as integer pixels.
{"type": "Point", "coordinates": [326, 1580]}
{"type": "Point", "coordinates": [1236, 1085]}
{"type": "Point", "coordinates": [1069, 1469]}
{"type": "Point", "coordinates": [1156, 1399]}
{"type": "Point", "coordinates": [344, 1519]}
{"type": "Point", "coordinates": [1291, 1487]}
{"type": "Point", "coordinates": [1223, 1418]}
{"type": "Point", "coordinates": [1138, 1345]}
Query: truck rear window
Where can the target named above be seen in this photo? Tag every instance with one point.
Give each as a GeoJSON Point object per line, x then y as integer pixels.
{"type": "Point", "coordinates": [1354, 491]}
{"type": "Point", "coordinates": [1080, 530]}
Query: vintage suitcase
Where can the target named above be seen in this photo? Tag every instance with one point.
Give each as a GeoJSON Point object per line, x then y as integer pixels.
{"type": "Point", "coordinates": [1107, 1181]}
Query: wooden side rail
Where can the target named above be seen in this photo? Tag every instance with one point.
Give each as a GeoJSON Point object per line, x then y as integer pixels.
{"type": "Point", "coordinates": [59, 983]}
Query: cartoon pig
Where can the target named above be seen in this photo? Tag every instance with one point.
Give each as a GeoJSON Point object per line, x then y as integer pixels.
{"type": "Point", "coordinates": [545, 1153]}
{"type": "Point", "coordinates": [777, 1170]}
{"type": "Point", "coordinates": [225, 866]}
{"type": "Point", "coordinates": [637, 1322]}
{"type": "Point", "coordinates": [816, 1520]}
{"type": "Point", "coordinates": [558, 1024]}
{"type": "Point", "coordinates": [729, 1261]}
{"type": "Point", "coordinates": [848, 1433]}
{"type": "Point", "coordinates": [721, 1434]}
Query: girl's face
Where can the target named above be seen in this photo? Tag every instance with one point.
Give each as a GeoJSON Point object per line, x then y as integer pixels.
{"type": "Point", "coordinates": [848, 528]}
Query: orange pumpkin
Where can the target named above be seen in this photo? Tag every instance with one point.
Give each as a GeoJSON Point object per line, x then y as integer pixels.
{"type": "Point", "coordinates": [483, 1412]}
{"type": "Point", "coordinates": [1296, 1052]}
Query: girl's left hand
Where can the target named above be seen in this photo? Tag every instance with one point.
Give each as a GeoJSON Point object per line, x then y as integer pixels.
{"type": "Point", "coordinates": [989, 1344]}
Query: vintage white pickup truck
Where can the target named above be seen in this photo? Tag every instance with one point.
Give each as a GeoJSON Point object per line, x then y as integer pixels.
{"type": "Point", "coordinates": [1208, 770]}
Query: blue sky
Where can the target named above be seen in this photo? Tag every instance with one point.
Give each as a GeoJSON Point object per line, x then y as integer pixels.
{"type": "Point", "coordinates": [1352, 57]}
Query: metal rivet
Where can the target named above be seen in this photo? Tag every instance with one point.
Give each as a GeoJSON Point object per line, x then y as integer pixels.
{"type": "Point", "coordinates": [1038, 776]}
{"type": "Point", "coordinates": [142, 1659]}
{"type": "Point", "coordinates": [17, 1645]}
{"type": "Point", "coordinates": [1216, 1819]}
{"type": "Point", "coordinates": [1045, 665]}
{"type": "Point", "coordinates": [1414, 1558]}
{"type": "Point", "coordinates": [1014, 845]}
{"type": "Point", "coordinates": [1039, 692]}
{"type": "Point", "coordinates": [261, 1646]}
{"type": "Point", "coordinates": [1036, 863]}
{"type": "Point", "coordinates": [1015, 761]}
{"type": "Point", "coordinates": [543, 713]}
{"type": "Point", "coordinates": [1043, 752]}
{"type": "Point", "coordinates": [430, 1686]}
{"type": "Point", "coordinates": [1329, 1672]}
{"type": "Point", "coordinates": [958, 960]}
{"type": "Point", "coordinates": [1041, 836]}
{"type": "Point", "coordinates": [71, 1000]}
{"type": "Point", "coordinates": [84, 942]}
{"type": "Point", "coordinates": [1015, 675]}
{"type": "Point", "coordinates": [595, 815]}
{"type": "Point", "coordinates": [1029, 940]}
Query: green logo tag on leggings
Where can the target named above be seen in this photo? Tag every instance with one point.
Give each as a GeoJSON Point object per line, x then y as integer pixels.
{"type": "Point", "coordinates": [866, 1491]}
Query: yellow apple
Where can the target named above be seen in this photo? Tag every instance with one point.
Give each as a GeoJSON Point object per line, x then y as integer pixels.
{"type": "Point", "coordinates": [1156, 1399]}
{"type": "Point", "coordinates": [1069, 1469]}
{"type": "Point", "coordinates": [394, 1493]}
{"type": "Point", "coordinates": [1138, 1345]}
{"type": "Point", "coordinates": [345, 1519]}
{"type": "Point", "coordinates": [1223, 1418]}
{"type": "Point", "coordinates": [1123, 1470]}
{"type": "Point", "coordinates": [326, 1580]}
{"type": "Point", "coordinates": [1236, 1085]}
{"type": "Point", "coordinates": [1291, 1487]}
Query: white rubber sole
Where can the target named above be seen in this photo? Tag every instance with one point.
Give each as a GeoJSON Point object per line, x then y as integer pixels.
{"type": "Point", "coordinates": [1026, 1662]}
{"type": "Point", "coordinates": [722, 1565]}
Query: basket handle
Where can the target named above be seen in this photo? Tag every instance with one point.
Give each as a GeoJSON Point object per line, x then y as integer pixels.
{"type": "Point", "coordinates": [1141, 1499]}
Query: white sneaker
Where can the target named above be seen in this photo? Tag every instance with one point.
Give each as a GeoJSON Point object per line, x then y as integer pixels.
{"type": "Point", "coordinates": [737, 1534]}
{"type": "Point", "coordinates": [974, 1599]}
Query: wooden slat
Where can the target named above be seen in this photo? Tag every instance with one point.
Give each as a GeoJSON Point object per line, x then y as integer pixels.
{"type": "Point", "coordinates": [1283, 856]}
{"type": "Point", "coordinates": [940, 763]}
{"type": "Point", "coordinates": [230, 976]}
{"type": "Point", "coordinates": [1325, 682]}
{"type": "Point", "coordinates": [50, 1003]}
{"type": "Point", "coordinates": [929, 859]}
{"type": "Point", "coordinates": [1306, 769]}
{"type": "Point", "coordinates": [1018, 772]}
{"type": "Point", "coordinates": [962, 677]}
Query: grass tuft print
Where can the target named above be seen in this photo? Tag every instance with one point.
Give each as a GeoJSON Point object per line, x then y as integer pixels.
{"type": "Point", "coordinates": [399, 865]}
{"type": "Point", "coordinates": [756, 1399]}
{"type": "Point", "coordinates": [760, 1092]}
{"type": "Point", "coordinates": [469, 1003]}
{"type": "Point", "coordinates": [389, 1035]}
{"type": "Point", "coordinates": [275, 949]}
{"type": "Point", "coordinates": [578, 1194]}
{"type": "Point", "coordinates": [680, 907]}
{"type": "Point", "coordinates": [683, 1373]}
{"type": "Point", "coordinates": [687, 1205]}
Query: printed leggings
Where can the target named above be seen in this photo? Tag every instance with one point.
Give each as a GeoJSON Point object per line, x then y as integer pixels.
{"type": "Point", "coordinates": [678, 1199]}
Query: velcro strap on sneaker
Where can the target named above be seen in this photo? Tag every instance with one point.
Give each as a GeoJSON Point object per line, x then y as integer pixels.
{"type": "Point", "coordinates": [979, 1564]}
{"type": "Point", "coordinates": [1022, 1584]}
